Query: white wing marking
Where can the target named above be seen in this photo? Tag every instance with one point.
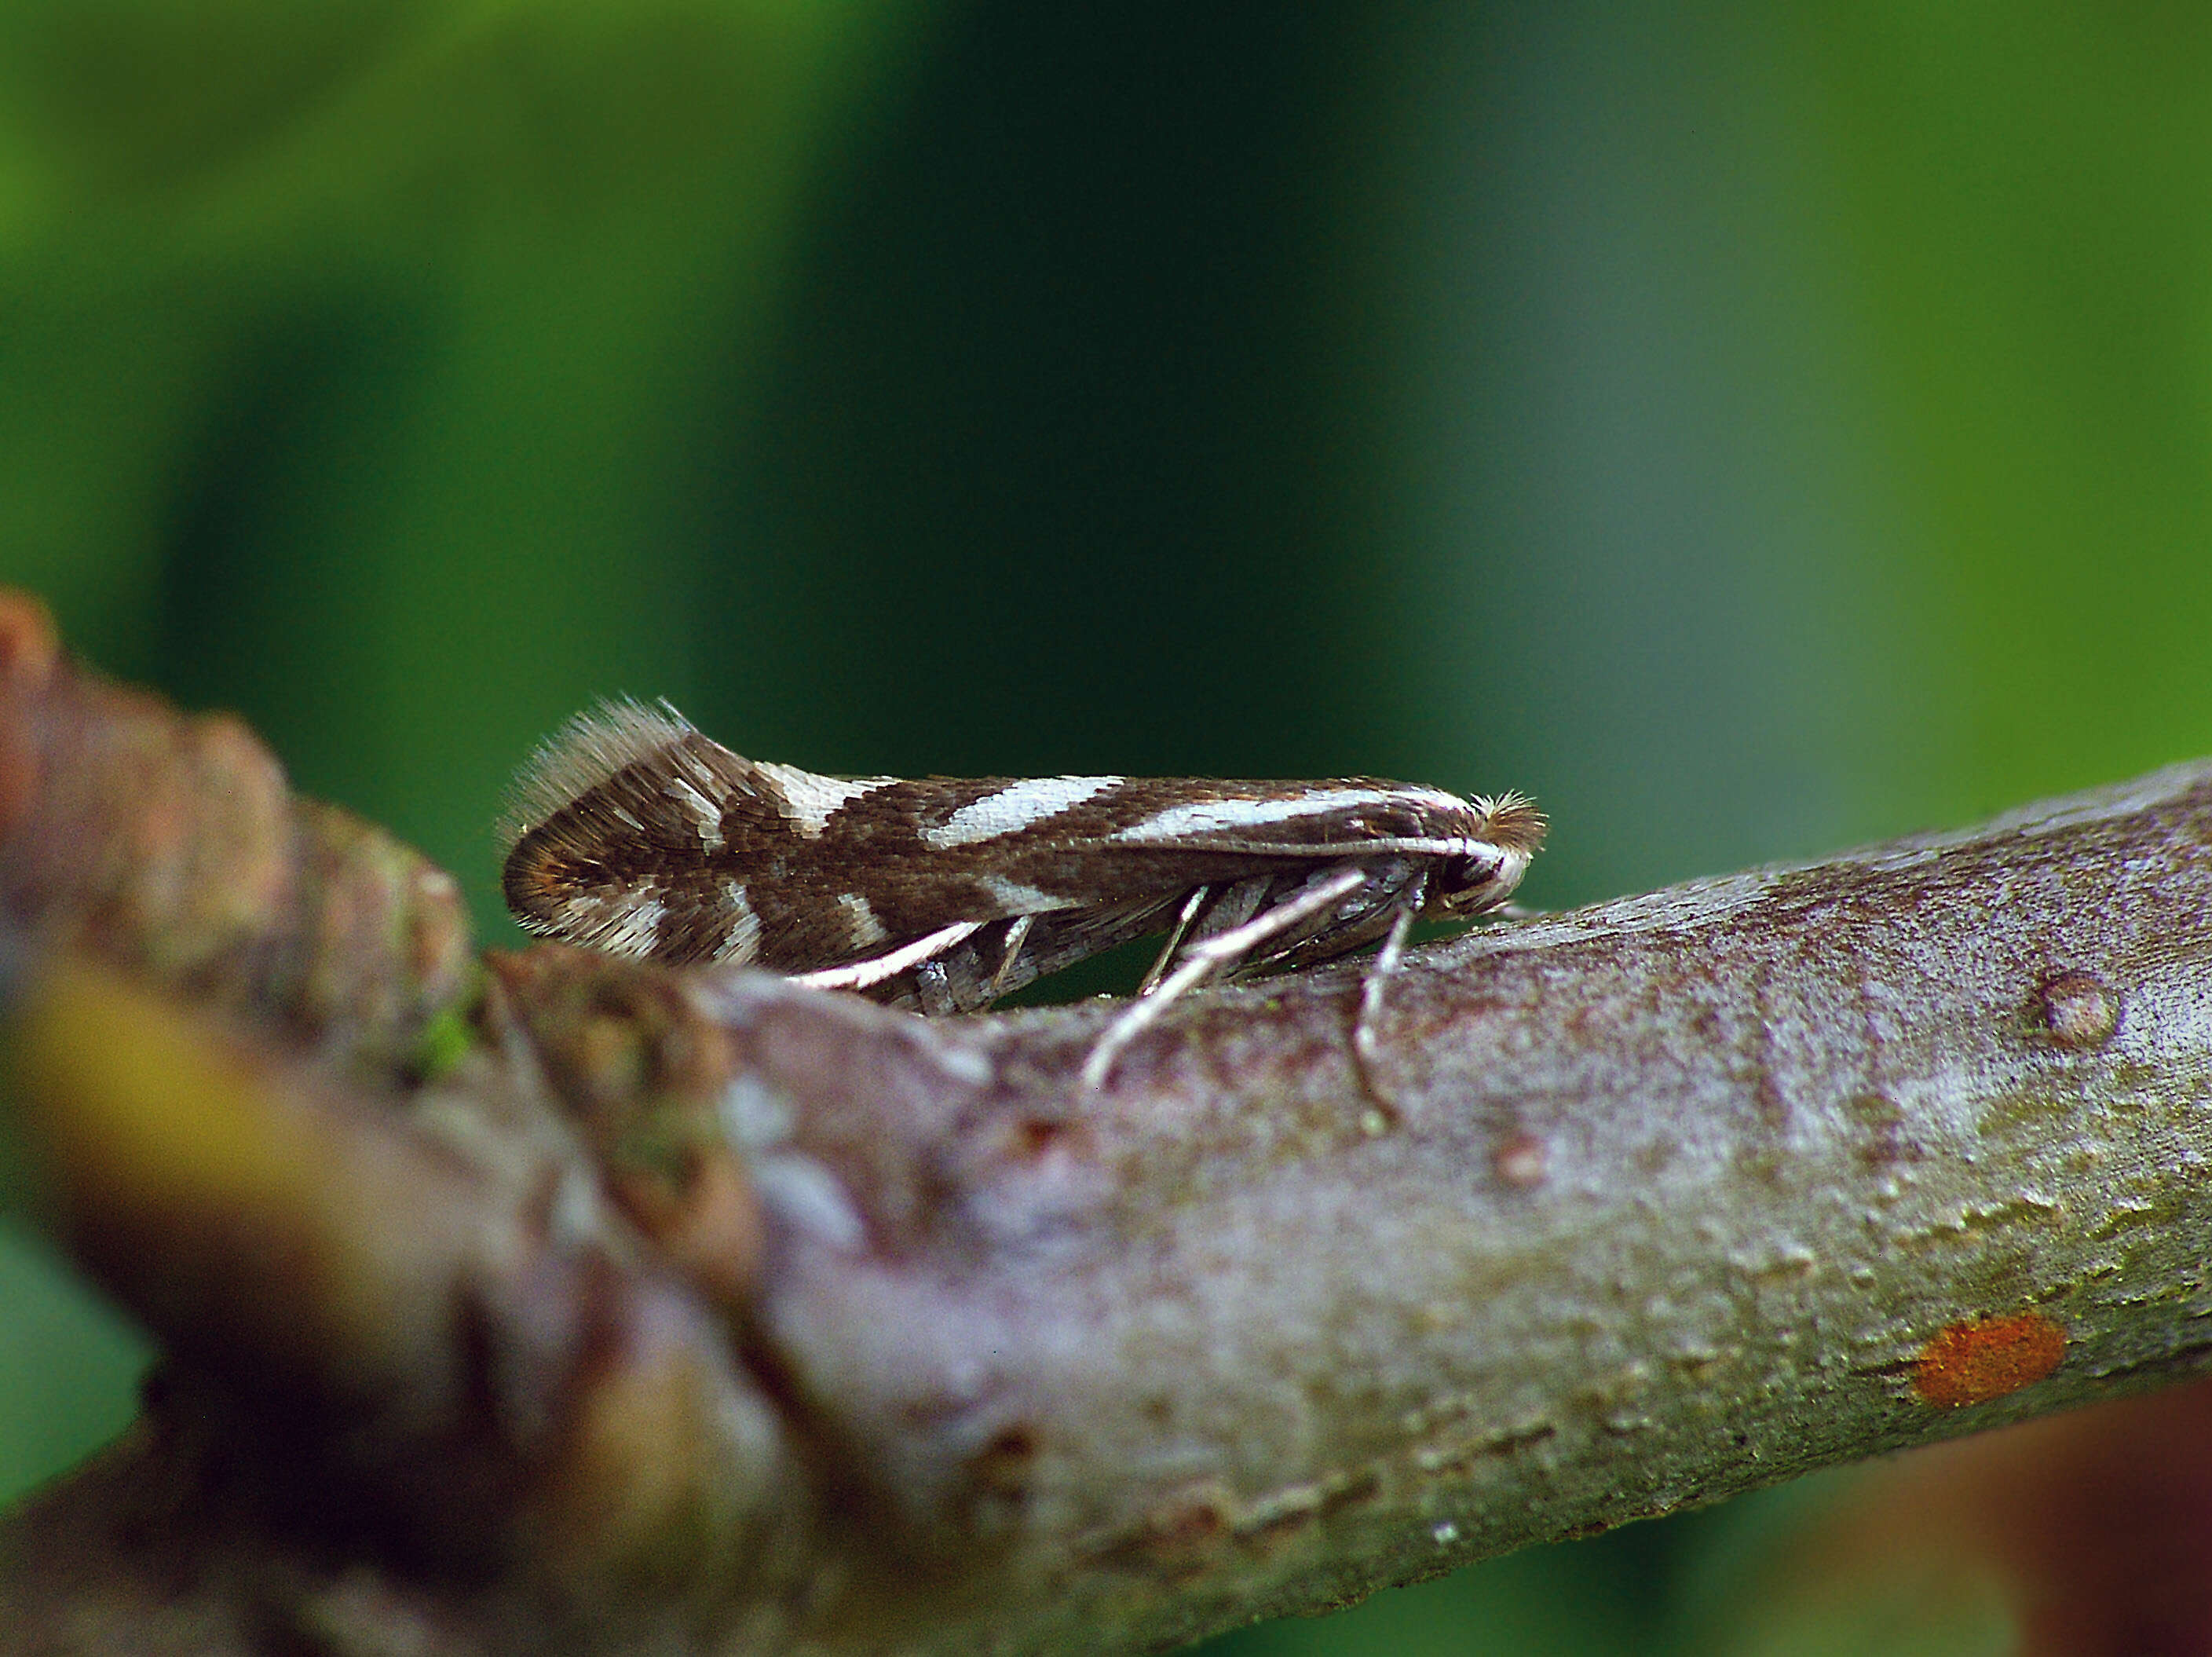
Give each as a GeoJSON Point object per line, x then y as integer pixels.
{"type": "Point", "coordinates": [808, 799]}
{"type": "Point", "coordinates": [1015, 808]}
{"type": "Point", "coordinates": [744, 939]}
{"type": "Point", "coordinates": [861, 926]}
{"type": "Point", "coordinates": [1204, 817]}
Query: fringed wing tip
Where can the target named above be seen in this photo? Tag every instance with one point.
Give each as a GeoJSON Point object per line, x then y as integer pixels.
{"type": "Point", "coordinates": [611, 733]}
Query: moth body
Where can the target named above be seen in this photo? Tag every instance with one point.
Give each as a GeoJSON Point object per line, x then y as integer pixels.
{"type": "Point", "coordinates": [632, 832]}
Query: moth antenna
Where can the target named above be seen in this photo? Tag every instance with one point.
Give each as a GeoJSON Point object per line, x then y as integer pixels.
{"type": "Point", "coordinates": [859, 975]}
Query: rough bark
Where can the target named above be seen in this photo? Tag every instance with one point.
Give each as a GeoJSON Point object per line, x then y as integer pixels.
{"type": "Point", "coordinates": [590, 1306]}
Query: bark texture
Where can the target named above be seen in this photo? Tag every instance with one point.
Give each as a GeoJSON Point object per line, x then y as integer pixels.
{"type": "Point", "coordinates": [584, 1306]}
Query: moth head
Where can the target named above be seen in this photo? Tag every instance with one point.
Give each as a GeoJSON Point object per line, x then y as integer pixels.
{"type": "Point", "coordinates": [1511, 832]}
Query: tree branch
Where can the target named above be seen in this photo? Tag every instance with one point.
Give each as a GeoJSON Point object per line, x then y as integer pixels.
{"type": "Point", "coordinates": [596, 1307]}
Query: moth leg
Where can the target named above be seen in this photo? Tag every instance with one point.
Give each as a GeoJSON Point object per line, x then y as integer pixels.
{"type": "Point", "coordinates": [1235, 904]}
{"type": "Point", "coordinates": [859, 975]}
{"type": "Point", "coordinates": [932, 987]}
{"type": "Point", "coordinates": [1366, 1046]}
{"type": "Point", "coordinates": [1205, 958]}
{"type": "Point", "coordinates": [1017, 933]}
{"type": "Point", "coordinates": [1174, 941]}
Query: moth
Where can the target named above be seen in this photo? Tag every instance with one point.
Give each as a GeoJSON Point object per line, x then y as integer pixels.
{"type": "Point", "coordinates": [631, 832]}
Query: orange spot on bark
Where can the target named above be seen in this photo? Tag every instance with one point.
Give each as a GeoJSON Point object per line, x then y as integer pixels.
{"type": "Point", "coordinates": [1520, 1161]}
{"type": "Point", "coordinates": [28, 651]}
{"type": "Point", "coordinates": [1985, 1358]}
{"type": "Point", "coordinates": [29, 646]}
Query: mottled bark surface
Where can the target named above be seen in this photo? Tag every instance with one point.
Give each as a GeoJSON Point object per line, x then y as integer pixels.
{"type": "Point", "coordinates": [586, 1305]}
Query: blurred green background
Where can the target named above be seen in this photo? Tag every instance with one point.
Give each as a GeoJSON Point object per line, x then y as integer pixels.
{"type": "Point", "coordinates": [1749, 428]}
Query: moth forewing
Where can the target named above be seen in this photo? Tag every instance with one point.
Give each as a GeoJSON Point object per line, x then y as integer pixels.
{"type": "Point", "coordinates": [631, 832]}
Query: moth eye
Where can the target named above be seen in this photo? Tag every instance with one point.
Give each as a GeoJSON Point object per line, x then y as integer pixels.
{"type": "Point", "coordinates": [1464, 879]}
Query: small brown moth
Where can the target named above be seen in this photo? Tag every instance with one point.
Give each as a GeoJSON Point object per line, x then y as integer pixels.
{"type": "Point", "coordinates": [631, 832]}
